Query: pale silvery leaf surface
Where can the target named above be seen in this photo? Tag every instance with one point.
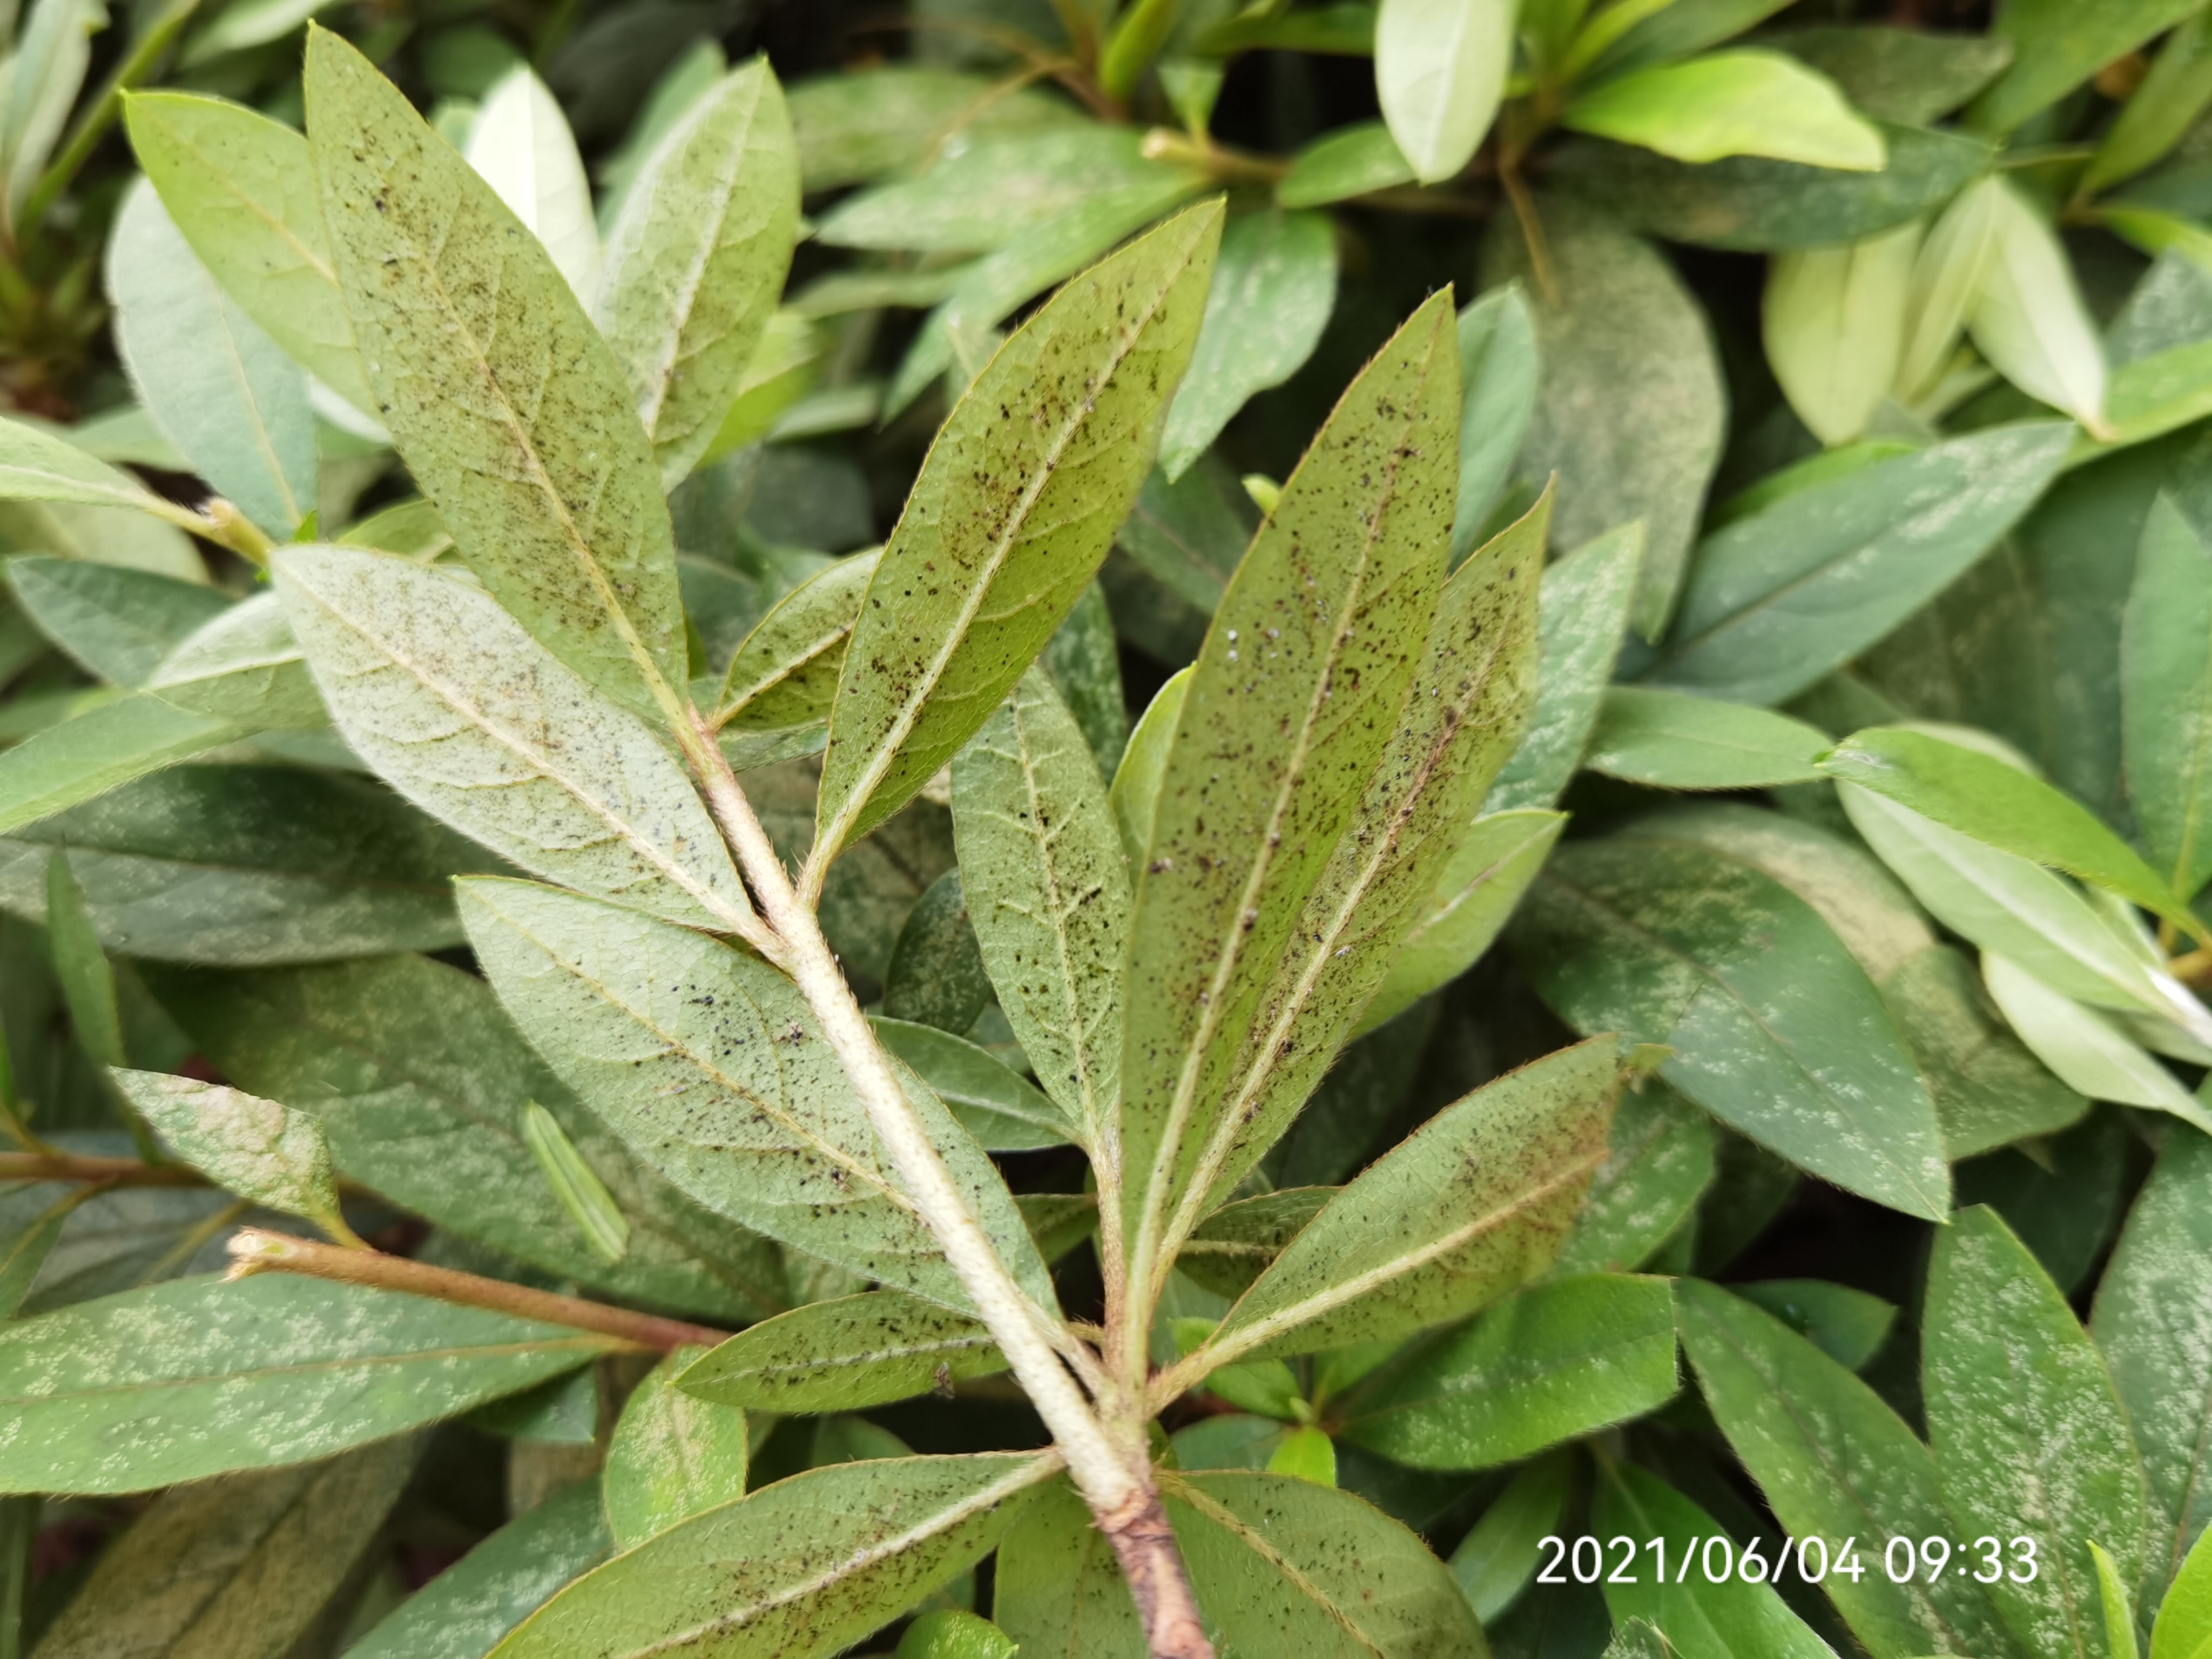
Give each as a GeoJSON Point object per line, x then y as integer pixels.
{"type": "Point", "coordinates": [250, 1146]}
{"type": "Point", "coordinates": [1440, 68]}
{"type": "Point", "coordinates": [521, 144]}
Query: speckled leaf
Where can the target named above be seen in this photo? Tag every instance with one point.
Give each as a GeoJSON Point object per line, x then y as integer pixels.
{"type": "Point", "coordinates": [440, 689]}
{"type": "Point", "coordinates": [1003, 1109]}
{"type": "Point", "coordinates": [199, 1376]}
{"type": "Point", "coordinates": [673, 1456]}
{"type": "Point", "coordinates": [1678, 740]}
{"type": "Point", "coordinates": [1629, 408]}
{"type": "Point", "coordinates": [785, 672]}
{"type": "Point", "coordinates": [2166, 666]}
{"type": "Point", "coordinates": [697, 259]}
{"type": "Point", "coordinates": [242, 664]}
{"type": "Point", "coordinates": [1776, 1030]}
{"type": "Point", "coordinates": [804, 1568]}
{"type": "Point", "coordinates": [2030, 1437]}
{"type": "Point", "coordinates": [1289, 710]}
{"type": "Point", "coordinates": [419, 1081]}
{"type": "Point", "coordinates": [244, 1144]}
{"type": "Point", "coordinates": [1473, 1203]}
{"type": "Point", "coordinates": [1835, 1461]}
{"type": "Point", "coordinates": [507, 405]}
{"type": "Point", "coordinates": [1234, 1245]}
{"type": "Point", "coordinates": [463, 1611]}
{"type": "Point", "coordinates": [1014, 509]}
{"type": "Point", "coordinates": [1582, 613]}
{"type": "Point", "coordinates": [708, 1064]}
{"type": "Point", "coordinates": [241, 188]}
{"type": "Point", "coordinates": [117, 623]}
{"type": "Point", "coordinates": [1555, 1362]}
{"type": "Point", "coordinates": [234, 1569]}
{"type": "Point", "coordinates": [845, 1356]}
{"type": "Point", "coordinates": [2154, 1322]}
{"type": "Point", "coordinates": [1657, 1165]}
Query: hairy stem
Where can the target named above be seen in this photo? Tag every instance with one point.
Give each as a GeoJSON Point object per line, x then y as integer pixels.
{"type": "Point", "coordinates": [255, 1250]}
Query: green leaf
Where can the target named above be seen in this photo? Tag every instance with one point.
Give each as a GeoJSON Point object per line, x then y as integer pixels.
{"type": "Point", "coordinates": [438, 689]}
{"type": "Point", "coordinates": [1833, 323]}
{"type": "Point", "coordinates": [1630, 409]}
{"type": "Point", "coordinates": [244, 1144]}
{"type": "Point", "coordinates": [107, 746]}
{"type": "Point", "coordinates": [1306, 1455]}
{"type": "Point", "coordinates": [1440, 69]}
{"type": "Point", "coordinates": [199, 1376]}
{"type": "Point", "coordinates": [506, 404]}
{"type": "Point", "coordinates": [2166, 663]}
{"type": "Point", "coordinates": [1731, 103]}
{"type": "Point", "coordinates": [2028, 318]}
{"type": "Point", "coordinates": [948, 1633]}
{"type": "Point", "coordinates": [1008, 522]}
{"type": "Point", "coordinates": [805, 1567]}
{"type": "Point", "coordinates": [82, 971]}
{"type": "Point", "coordinates": [463, 1611]}
{"type": "Point", "coordinates": [2159, 111]}
{"type": "Point", "coordinates": [420, 1081]}
{"type": "Point", "coordinates": [1274, 286]}
{"type": "Point", "coordinates": [1898, 73]}
{"type": "Point", "coordinates": [673, 1456]}
{"type": "Point", "coordinates": [242, 1568]}
{"type": "Point", "coordinates": [1498, 374]}
{"type": "Point", "coordinates": [1678, 740]}
{"type": "Point", "coordinates": [1084, 662]}
{"type": "Point", "coordinates": [1734, 1618]}
{"type": "Point", "coordinates": [1352, 161]}
{"type": "Point", "coordinates": [1848, 1326]}
{"type": "Point", "coordinates": [845, 1356]}
{"type": "Point", "coordinates": [590, 1206]}
{"type": "Point", "coordinates": [242, 189]}
{"type": "Point", "coordinates": [1135, 794]}
{"type": "Point", "coordinates": [1776, 1030]}
{"type": "Point", "coordinates": [861, 123]}
{"type": "Point", "coordinates": [1304, 646]}
{"type": "Point", "coordinates": [785, 672]}
{"type": "Point", "coordinates": [2057, 46]}
{"type": "Point", "coordinates": [117, 623]}
{"type": "Point", "coordinates": [38, 466]}
{"type": "Point", "coordinates": [697, 259]}
{"type": "Point", "coordinates": [2184, 1630]}
{"type": "Point", "coordinates": [1190, 534]}
{"type": "Point", "coordinates": [936, 976]}
{"type": "Point", "coordinates": [1265, 1387]}
{"type": "Point", "coordinates": [2030, 1438]}
{"type": "Point", "coordinates": [1834, 1462]}
{"type": "Point", "coordinates": [2086, 1049]}
{"type": "Point", "coordinates": [996, 1104]}
{"type": "Point", "coordinates": [519, 144]}
{"type": "Point", "coordinates": [1560, 1361]}
{"type": "Point", "coordinates": [217, 386]}
{"type": "Point", "coordinates": [1474, 896]}
{"type": "Point", "coordinates": [2112, 1598]}
{"type": "Point", "coordinates": [244, 666]}
{"type": "Point", "coordinates": [1234, 1245]}
{"type": "Point", "coordinates": [1471, 1205]}
{"type": "Point", "coordinates": [1500, 1554]}
{"type": "Point", "coordinates": [1581, 615]}
{"type": "Point", "coordinates": [770, 1133]}
{"type": "Point", "coordinates": [2154, 1322]}
{"type": "Point", "coordinates": [1629, 37]}
{"type": "Point", "coordinates": [1753, 204]}
{"type": "Point", "coordinates": [27, 1236]}
{"type": "Point", "coordinates": [1776, 600]}
{"type": "Point", "coordinates": [1658, 1165]}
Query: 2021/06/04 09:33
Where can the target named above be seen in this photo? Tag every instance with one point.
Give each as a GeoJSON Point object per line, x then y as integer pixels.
{"type": "Point", "coordinates": [1623, 1560]}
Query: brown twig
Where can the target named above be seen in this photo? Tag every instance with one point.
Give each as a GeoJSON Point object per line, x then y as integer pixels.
{"type": "Point", "coordinates": [255, 1250]}
{"type": "Point", "coordinates": [104, 1171]}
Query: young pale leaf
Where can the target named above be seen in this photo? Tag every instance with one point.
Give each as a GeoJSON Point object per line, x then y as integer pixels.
{"type": "Point", "coordinates": [1349, 162]}
{"type": "Point", "coordinates": [589, 1205]}
{"type": "Point", "coordinates": [441, 690]}
{"type": "Point", "coordinates": [1776, 1030]}
{"type": "Point", "coordinates": [1135, 794]}
{"type": "Point", "coordinates": [948, 1633]}
{"type": "Point", "coordinates": [245, 666]}
{"type": "Point", "coordinates": [37, 466]}
{"type": "Point", "coordinates": [199, 1376]}
{"type": "Point", "coordinates": [242, 189]}
{"type": "Point", "coordinates": [2113, 1601]}
{"type": "Point", "coordinates": [1834, 1462]}
{"type": "Point", "coordinates": [1629, 408]}
{"type": "Point", "coordinates": [1678, 740]}
{"type": "Point", "coordinates": [2003, 806]}
{"type": "Point", "coordinates": [2087, 1050]}
{"type": "Point", "coordinates": [1833, 322]}
{"type": "Point", "coordinates": [239, 1568]}
{"type": "Point", "coordinates": [2154, 1322]}
{"type": "Point", "coordinates": [1015, 507]}
{"type": "Point", "coordinates": [1273, 288]}
{"type": "Point", "coordinates": [1440, 68]}
{"type": "Point", "coordinates": [506, 404]}
{"type": "Point", "coordinates": [1949, 272]}
{"type": "Point", "coordinates": [1306, 646]}
{"type": "Point", "coordinates": [785, 672]}
{"type": "Point", "coordinates": [1657, 1166]}
{"type": "Point", "coordinates": [1471, 1205]}
{"type": "Point", "coordinates": [520, 144]}
{"type": "Point", "coordinates": [1731, 103]}
{"type": "Point", "coordinates": [845, 1356]}
{"type": "Point", "coordinates": [463, 1611]}
{"type": "Point", "coordinates": [1306, 1455]}
{"type": "Point", "coordinates": [673, 1456]}
{"type": "Point", "coordinates": [2166, 666]}
{"type": "Point", "coordinates": [1502, 1552]}
{"type": "Point", "coordinates": [2030, 1438]}
{"type": "Point", "coordinates": [999, 1106]}
{"type": "Point", "coordinates": [804, 1568]}
{"type": "Point", "coordinates": [227, 396]}
{"type": "Point", "coordinates": [2184, 1630]}
{"type": "Point", "coordinates": [1777, 599]}
{"type": "Point", "coordinates": [245, 1144]}
{"type": "Point", "coordinates": [1474, 896]}
{"type": "Point", "coordinates": [113, 621]}
{"type": "Point", "coordinates": [697, 259]}
{"type": "Point", "coordinates": [1736, 1618]}
{"type": "Point", "coordinates": [46, 73]}
{"type": "Point", "coordinates": [2029, 321]}
{"type": "Point", "coordinates": [708, 1064]}
{"type": "Point", "coordinates": [1560, 1361]}
{"type": "Point", "coordinates": [1498, 375]}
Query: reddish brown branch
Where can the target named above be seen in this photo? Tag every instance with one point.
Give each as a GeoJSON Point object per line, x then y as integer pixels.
{"type": "Point", "coordinates": [104, 1171]}
{"type": "Point", "coordinates": [1152, 1564]}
